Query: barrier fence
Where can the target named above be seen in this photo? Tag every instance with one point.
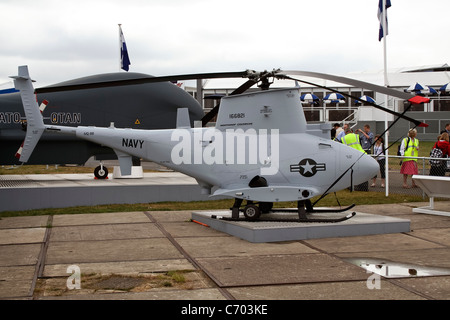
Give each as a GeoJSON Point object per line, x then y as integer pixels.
{"type": "Point", "coordinates": [394, 179]}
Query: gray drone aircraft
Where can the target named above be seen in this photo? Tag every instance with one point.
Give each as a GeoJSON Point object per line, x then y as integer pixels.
{"type": "Point", "coordinates": [261, 149]}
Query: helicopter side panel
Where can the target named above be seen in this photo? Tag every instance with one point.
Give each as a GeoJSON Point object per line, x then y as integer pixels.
{"type": "Point", "coordinates": [308, 160]}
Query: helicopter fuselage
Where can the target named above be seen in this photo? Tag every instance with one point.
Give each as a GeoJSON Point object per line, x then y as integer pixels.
{"type": "Point", "coordinates": [254, 152]}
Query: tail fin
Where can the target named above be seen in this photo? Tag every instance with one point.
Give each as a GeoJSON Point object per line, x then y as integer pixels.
{"type": "Point", "coordinates": [35, 123]}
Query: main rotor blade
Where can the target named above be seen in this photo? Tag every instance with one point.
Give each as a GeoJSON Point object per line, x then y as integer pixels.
{"type": "Point", "coordinates": [409, 97]}
{"type": "Point", "coordinates": [142, 80]}
{"type": "Point", "coordinates": [241, 89]}
{"type": "Point", "coordinates": [352, 82]}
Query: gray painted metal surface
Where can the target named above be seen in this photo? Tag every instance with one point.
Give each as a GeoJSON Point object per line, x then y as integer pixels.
{"type": "Point", "coordinates": [361, 224]}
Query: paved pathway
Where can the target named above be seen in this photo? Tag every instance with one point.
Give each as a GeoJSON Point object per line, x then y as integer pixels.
{"type": "Point", "coordinates": [121, 255]}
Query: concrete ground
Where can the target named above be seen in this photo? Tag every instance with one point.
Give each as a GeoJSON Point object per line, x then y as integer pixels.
{"type": "Point", "coordinates": [165, 256]}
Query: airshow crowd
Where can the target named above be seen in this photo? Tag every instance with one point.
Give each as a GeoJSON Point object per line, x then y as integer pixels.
{"type": "Point", "coordinates": [365, 141]}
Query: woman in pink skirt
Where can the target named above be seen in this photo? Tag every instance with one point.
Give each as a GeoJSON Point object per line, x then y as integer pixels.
{"type": "Point", "coordinates": [409, 148]}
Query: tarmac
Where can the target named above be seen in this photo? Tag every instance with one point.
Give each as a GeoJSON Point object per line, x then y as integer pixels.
{"type": "Point", "coordinates": [162, 255]}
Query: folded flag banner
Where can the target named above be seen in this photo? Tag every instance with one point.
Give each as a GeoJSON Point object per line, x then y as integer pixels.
{"type": "Point", "coordinates": [124, 58]}
{"type": "Point", "coordinates": [387, 4]}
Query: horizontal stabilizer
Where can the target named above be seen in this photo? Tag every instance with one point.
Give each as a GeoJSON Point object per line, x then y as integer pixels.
{"type": "Point", "coordinates": [35, 124]}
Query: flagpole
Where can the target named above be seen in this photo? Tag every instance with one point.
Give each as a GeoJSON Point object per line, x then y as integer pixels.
{"type": "Point", "coordinates": [120, 47]}
{"type": "Point", "coordinates": [386, 84]}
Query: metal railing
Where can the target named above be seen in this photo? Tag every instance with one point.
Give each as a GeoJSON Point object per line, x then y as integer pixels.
{"type": "Point", "coordinates": [394, 179]}
{"type": "Point", "coordinates": [326, 116]}
{"type": "Point", "coordinates": [352, 117]}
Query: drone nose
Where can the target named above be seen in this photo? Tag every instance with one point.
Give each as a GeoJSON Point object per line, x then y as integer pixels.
{"type": "Point", "coordinates": [369, 166]}
{"type": "Point", "coordinates": [364, 169]}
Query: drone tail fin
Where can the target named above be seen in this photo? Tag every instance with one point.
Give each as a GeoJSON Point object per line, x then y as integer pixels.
{"type": "Point", "coordinates": [35, 123]}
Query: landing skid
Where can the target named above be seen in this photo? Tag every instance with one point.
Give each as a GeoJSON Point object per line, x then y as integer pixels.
{"type": "Point", "coordinates": [312, 210]}
{"type": "Point", "coordinates": [322, 220]}
{"type": "Point", "coordinates": [252, 212]}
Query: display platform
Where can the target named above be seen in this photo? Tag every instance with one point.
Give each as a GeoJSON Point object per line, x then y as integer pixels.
{"type": "Point", "coordinates": [434, 187]}
{"type": "Point", "coordinates": [39, 191]}
{"type": "Point", "coordinates": [268, 231]}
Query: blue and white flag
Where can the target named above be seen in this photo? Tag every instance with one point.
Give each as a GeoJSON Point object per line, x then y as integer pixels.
{"type": "Point", "coordinates": [381, 34]}
{"type": "Point", "coordinates": [124, 58]}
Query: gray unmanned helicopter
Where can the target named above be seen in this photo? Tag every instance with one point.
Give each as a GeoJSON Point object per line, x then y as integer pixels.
{"type": "Point", "coordinates": [261, 149]}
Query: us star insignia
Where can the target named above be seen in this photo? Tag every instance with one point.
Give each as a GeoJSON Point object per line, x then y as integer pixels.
{"type": "Point", "coordinates": [308, 167]}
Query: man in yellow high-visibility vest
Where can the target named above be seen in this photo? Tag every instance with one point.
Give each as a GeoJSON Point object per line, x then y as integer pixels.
{"type": "Point", "coordinates": [352, 140]}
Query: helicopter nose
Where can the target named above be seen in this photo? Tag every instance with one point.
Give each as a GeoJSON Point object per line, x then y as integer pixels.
{"type": "Point", "coordinates": [368, 167]}
{"type": "Point", "coordinates": [364, 169]}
